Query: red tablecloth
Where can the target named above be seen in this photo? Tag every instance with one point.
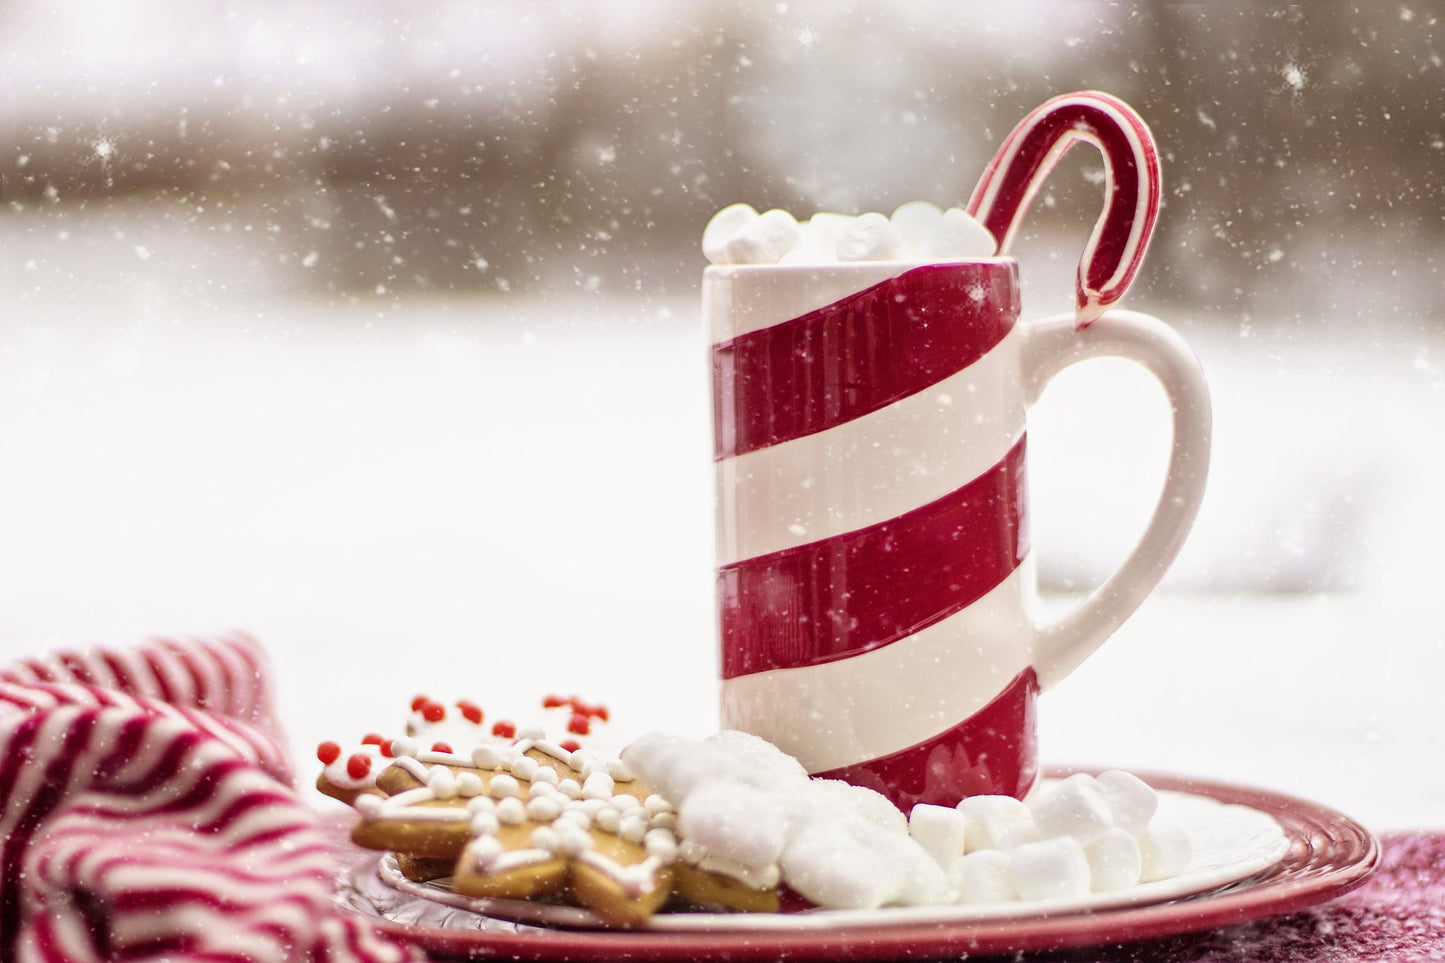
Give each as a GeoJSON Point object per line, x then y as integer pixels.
{"type": "Point", "coordinates": [1396, 917]}
{"type": "Point", "coordinates": [148, 810]}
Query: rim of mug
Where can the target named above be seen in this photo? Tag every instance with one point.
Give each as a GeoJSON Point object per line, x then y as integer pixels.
{"type": "Point", "coordinates": [861, 266]}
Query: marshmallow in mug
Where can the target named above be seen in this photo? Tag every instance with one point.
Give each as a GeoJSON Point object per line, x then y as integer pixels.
{"type": "Point", "coordinates": [918, 230]}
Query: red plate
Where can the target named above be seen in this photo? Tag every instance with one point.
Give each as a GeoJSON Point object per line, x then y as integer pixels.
{"type": "Point", "coordinates": [1329, 854]}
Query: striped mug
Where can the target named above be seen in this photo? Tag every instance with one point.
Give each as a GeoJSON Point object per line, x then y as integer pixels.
{"type": "Point", "coordinates": [875, 581]}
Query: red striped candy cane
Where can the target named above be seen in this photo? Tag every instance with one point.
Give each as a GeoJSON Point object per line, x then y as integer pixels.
{"type": "Point", "coordinates": [1116, 247]}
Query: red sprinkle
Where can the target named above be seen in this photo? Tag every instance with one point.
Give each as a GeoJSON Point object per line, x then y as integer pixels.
{"type": "Point", "coordinates": [504, 729]}
{"type": "Point", "coordinates": [387, 750]}
{"type": "Point", "coordinates": [579, 724]}
{"type": "Point", "coordinates": [433, 712]}
{"type": "Point", "coordinates": [470, 711]}
{"type": "Point", "coordinates": [440, 747]}
{"type": "Point", "coordinates": [418, 702]}
{"type": "Point", "coordinates": [371, 739]}
{"type": "Point", "coordinates": [328, 752]}
{"type": "Point", "coordinates": [555, 702]}
{"type": "Point", "coordinates": [571, 745]}
{"type": "Point", "coordinates": [358, 766]}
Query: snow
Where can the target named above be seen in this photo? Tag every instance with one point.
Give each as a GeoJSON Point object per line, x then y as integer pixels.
{"type": "Point", "coordinates": [495, 497]}
{"type": "Point", "coordinates": [506, 490]}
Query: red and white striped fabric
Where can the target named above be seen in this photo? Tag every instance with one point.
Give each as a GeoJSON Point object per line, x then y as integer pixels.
{"type": "Point", "coordinates": [148, 812]}
{"type": "Point", "coordinates": [872, 523]}
{"type": "Point", "coordinates": [1120, 238]}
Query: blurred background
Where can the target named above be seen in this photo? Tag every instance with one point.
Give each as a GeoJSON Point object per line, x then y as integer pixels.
{"type": "Point", "coordinates": [374, 331]}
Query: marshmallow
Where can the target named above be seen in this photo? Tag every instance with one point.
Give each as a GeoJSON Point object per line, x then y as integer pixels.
{"type": "Point", "coordinates": [830, 795]}
{"type": "Point", "coordinates": [1052, 869]}
{"type": "Point", "coordinates": [939, 830]}
{"type": "Point", "coordinates": [724, 224]}
{"type": "Point", "coordinates": [844, 863]}
{"type": "Point", "coordinates": [763, 240]}
{"type": "Point", "coordinates": [738, 234]}
{"type": "Point", "coordinates": [820, 235]}
{"type": "Point", "coordinates": [1115, 861]}
{"type": "Point", "coordinates": [960, 236]}
{"type": "Point", "coordinates": [870, 237]}
{"type": "Point", "coordinates": [983, 876]}
{"type": "Point", "coordinates": [1165, 852]}
{"type": "Point", "coordinates": [919, 226]}
{"type": "Point", "coordinates": [740, 823]}
{"type": "Point", "coordinates": [1075, 807]}
{"type": "Point", "coordinates": [989, 819]}
{"type": "Point", "coordinates": [1130, 798]}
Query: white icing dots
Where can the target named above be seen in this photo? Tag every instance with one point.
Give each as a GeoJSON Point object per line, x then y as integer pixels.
{"type": "Point", "coordinates": [511, 811]}
{"type": "Point", "coordinates": [543, 807]}
{"type": "Point", "coordinates": [487, 756]}
{"type": "Point", "coordinates": [441, 782]}
{"type": "Point", "coordinates": [504, 786]}
{"type": "Point", "coordinates": [469, 784]}
{"type": "Point", "coordinates": [524, 767]}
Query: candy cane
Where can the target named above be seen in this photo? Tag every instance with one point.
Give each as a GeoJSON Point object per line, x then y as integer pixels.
{"type": "Point", "coordinates": [1131, 188]}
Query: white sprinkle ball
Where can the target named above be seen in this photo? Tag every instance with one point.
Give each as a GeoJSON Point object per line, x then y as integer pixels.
{"type": "Point", "coordinates": [441, 782]}
{"type": "Point", "coordinates": [485, 824]}
{"type": "Point", "coordinates": [511, 811]}
{"type": "Point", "coordinates": [524, 767]}
{"type": "Point", "coordinates": [545, 837]}
{"type": "Point", "coordinates": [572, 840]}
{"type": "Point", "coordinates": [632, 828]}
{"type": "Point", "coordinates": [487, 756]}
{"type": "Point", "coordinates": [469, 784]}
{"type": "Point", "coordinates": [608, 820]}
{"type": "Point", "coordinates": [599, 785]}
{"type": "Point", "coordinates": [660, 843]}
{"type": "Point", "coordinates": [543, 808]}
{"type": "Point", "coordinates": [504, 786]}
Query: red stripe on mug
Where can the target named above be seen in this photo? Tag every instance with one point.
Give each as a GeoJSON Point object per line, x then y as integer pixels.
{"type": "Point", "coordinates": [858, 354]}
{"type": "Point", "coordinates": [994, 751]}
{"type": "Point", "coordinates": [854, 592]}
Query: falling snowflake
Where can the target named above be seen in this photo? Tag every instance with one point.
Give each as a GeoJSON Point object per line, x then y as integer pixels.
{"type": "Point", "coordinates": [1294, 76]}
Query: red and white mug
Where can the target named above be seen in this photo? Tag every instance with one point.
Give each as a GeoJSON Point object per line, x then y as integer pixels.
{"type": "Point", "coordinates": [875, 581]}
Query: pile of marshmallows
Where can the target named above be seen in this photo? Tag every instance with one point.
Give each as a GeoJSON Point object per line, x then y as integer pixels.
{"type": "Point", "coordinates": [918, 230]}
{"type": "Point", "coordinates": [1084, 834]}
{"type": "Point", "coordinates": [747, 809]}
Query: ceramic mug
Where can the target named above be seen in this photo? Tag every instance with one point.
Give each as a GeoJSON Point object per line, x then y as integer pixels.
{"type": "Point", "coordinates": [875, 582]}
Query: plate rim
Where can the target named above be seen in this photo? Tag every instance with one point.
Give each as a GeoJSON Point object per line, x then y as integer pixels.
{"type": "Point", "coordinates": [1328, 854]}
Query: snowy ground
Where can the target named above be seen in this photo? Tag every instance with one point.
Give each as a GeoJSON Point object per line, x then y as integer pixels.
{"type": "Point", "coordinates": [501, 497]}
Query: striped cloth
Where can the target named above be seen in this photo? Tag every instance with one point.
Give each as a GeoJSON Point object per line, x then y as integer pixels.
{"type": "Point", "coordinates": [148, 811]}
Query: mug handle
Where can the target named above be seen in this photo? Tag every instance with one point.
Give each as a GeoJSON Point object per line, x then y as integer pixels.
{"type": "Point", "coordinates": [1050, 346]}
